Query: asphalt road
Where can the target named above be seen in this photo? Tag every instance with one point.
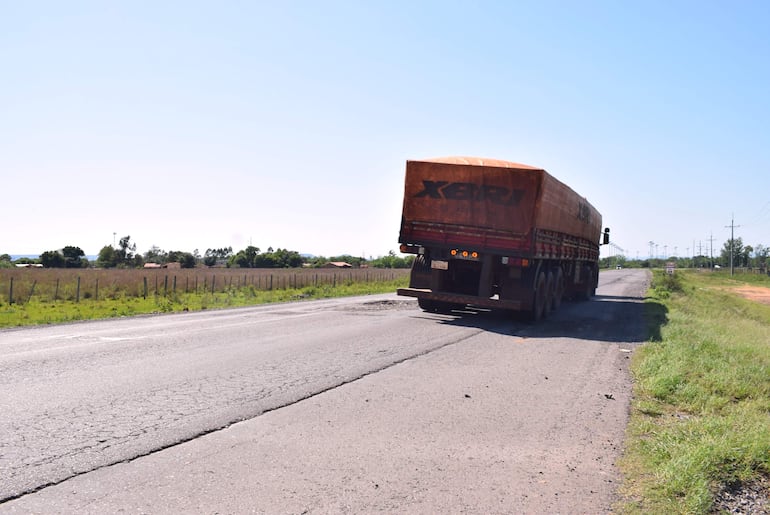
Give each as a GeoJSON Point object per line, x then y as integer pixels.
{"type": "Point", "coordinates": [348, 405]}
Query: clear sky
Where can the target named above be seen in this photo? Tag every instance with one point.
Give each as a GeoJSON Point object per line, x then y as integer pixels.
{"type": "Point", "coordinates": [193, 125]}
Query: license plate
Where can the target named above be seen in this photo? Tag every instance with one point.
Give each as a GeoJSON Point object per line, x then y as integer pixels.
{"type": "Point", "coordinates": [440, 265]}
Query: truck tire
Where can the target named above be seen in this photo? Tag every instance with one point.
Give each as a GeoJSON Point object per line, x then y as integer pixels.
{"type": "Point", "coordinates": [436, 306]}
{"type": "Point", "coordinates": [549, 287]}
{"type": "Point", "coordinates": [541, 295]}
{"type": "Point", "coordinates": [426, 305]}
{"type": "Point", "coordinates": [558, 289]}
{"type": "Point", "coordinates": [589, 288]}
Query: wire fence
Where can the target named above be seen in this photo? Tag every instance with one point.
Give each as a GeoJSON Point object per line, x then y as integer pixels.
{"type": "Point", "coordinates": [47, 285]}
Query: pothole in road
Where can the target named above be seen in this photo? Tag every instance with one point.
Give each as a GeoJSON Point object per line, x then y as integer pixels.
{"type": "Point", "coordinates": [382, 305]}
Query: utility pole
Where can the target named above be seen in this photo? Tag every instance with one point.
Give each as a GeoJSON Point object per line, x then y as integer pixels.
{"type": "Point", "coordinates": [652, 244]}
{"type": "Point", "coordinates": [711, 242]}
{"type": "Point", "coordinates": [732, 227]}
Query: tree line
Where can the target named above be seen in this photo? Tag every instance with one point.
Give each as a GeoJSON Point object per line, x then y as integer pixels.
{"type": "Point", "coordinates": [124, 255]}
{"type": "Point", "coordinates": [744, 256]}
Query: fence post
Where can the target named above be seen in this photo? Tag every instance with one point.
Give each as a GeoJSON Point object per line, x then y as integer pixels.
{"type": "Point", "coordinates": [145, 287]}
{"type": "Point", "coordinates": [32, 290]}
{"type": "Point", "coordinates": [213, 280]}
{"type": "Point", "coordinates": [10, 294]}
{"type": "Point", "coordinates": [165, 285]}
{"type": "Point", "coordinates": [56, 293]}
{"type": "Point", "coordinates": [77, 294]}
{"type": "Point", "coordinates": [96, 293]}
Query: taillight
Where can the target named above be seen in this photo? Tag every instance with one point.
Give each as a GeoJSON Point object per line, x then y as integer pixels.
{"type": "Point", "coordinates": [464, 254]}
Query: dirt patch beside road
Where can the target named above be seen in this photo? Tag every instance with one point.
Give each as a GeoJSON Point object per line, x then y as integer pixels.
{"type": "Point", "coordinates": [756, 293]}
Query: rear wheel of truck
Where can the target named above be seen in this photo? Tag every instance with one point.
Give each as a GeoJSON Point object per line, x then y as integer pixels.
{"type": "Point", "coordinates": [558, 289]}
{"type": "Point", "coordinates": [589, 290]}
{"type": "Point", "coordinates": [436, 306]}
{"type": "Point", "coordinates": [549, 289]}
{"type": "Point", "coordinates": [426, 305]}
{"type": "Point", "coordinates": [541, 295]}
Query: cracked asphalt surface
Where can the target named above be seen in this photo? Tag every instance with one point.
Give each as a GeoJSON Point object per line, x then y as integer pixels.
{"type": "Point", "coordinates": [345, 405]}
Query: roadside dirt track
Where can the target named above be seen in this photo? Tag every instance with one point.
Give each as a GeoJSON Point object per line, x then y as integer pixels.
{"type": "Point", "coordinates": [755, 293]}
{"type": "Point", "coordinates": [495, 417]}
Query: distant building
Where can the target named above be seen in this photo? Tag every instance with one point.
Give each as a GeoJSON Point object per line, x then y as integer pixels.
{"type": "Point", "coordinates": [337, 264]}
{"type": "Point", "coordinates": [174, 265]}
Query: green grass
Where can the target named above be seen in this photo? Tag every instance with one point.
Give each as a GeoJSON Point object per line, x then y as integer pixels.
{"type": "Point", "coordinates": [36, 311]}
{"type": "Point", "coordinates": [701, 410]}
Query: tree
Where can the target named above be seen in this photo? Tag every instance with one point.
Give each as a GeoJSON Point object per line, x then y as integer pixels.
{"type": "Point", "coordinates": [212, 256]}
{"type": "Point", "coordinates": [287, 258]}
{"type": "Point", "coordinates": [107, 257]}
{"type": "Point", "coordinates": [761, 253]}
{"type": "Point", "coordinates": [52, 259]}
{"type": "Point", "coordinates": [245, 258]}
{"type": "Point", "coordinates": [155, 255]}
{"type": "Point", "coordinates": [746, 255]}
{"type": "Point", "coordinates": [392, 261]}
{"type": "Point", "coordinates": [74, 257]}
{"type": "Point", "coordinates": [736, 246]}
{"type": "Point", "coordinates": [185, 259]}
{"type": "Point", "coordinates": [250, 257]}
{"type": "Point", "coordinates": [68, 257]}
{"type": "Point", "coordinates": [188, 260]}
{"type": "Point", "coordinates": [268, 260]}
{"type": "Point", "coordinates": [125, 252]}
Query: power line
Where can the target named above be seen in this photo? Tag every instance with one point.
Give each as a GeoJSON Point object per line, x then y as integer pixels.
{"type": "Point", "coordinates": [763, 213]}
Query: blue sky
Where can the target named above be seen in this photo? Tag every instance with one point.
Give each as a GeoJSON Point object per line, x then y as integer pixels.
{"type": "Point", "coordinates": [194, 125]}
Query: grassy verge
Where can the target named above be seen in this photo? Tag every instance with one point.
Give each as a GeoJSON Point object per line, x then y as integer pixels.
{"type": "Point", "coordinates": [701, 411]}
{"type": "Point", "coordinates": [37, 312]}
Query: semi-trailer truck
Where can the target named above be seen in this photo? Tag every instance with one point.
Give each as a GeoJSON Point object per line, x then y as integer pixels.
{"type": "Point", "coordinates": [496, 234]}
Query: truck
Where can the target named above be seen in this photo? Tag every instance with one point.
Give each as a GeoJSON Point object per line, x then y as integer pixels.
{"type": "Point", "coordinates": [496, 234]}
